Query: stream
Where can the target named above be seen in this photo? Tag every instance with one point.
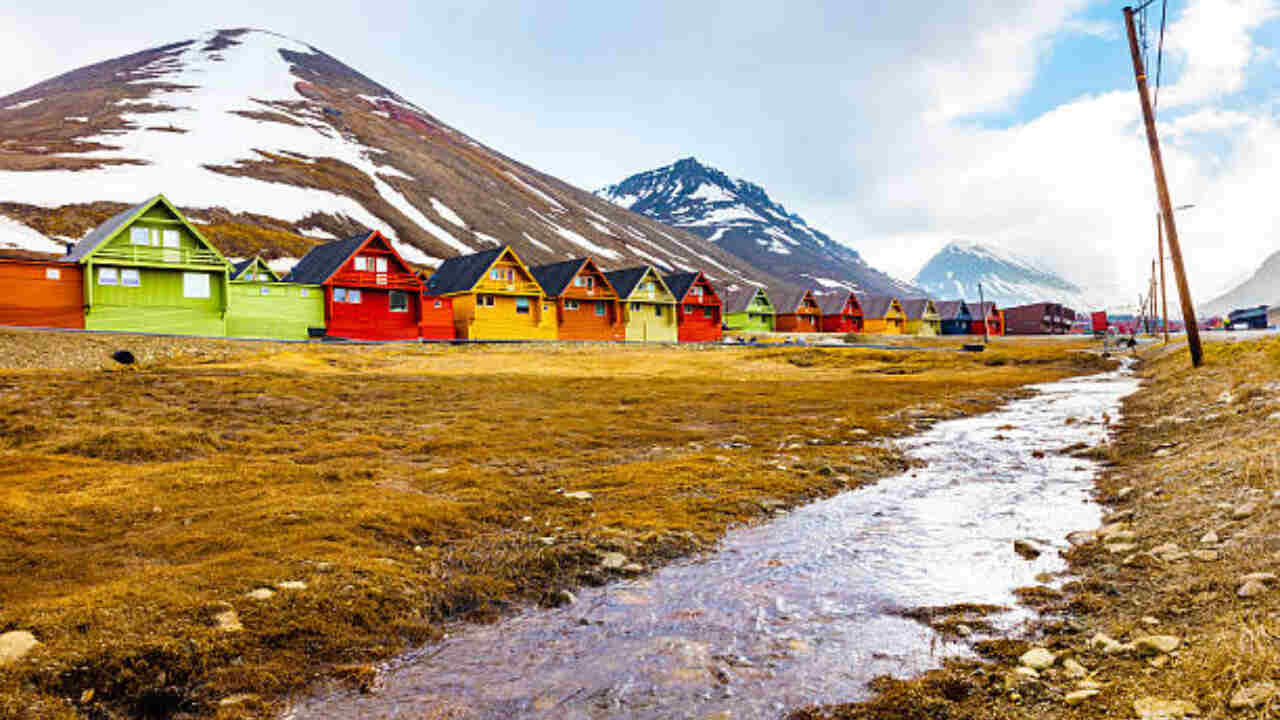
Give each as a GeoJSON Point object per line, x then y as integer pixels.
{"type": "Point", "coordinates": [794, 611]}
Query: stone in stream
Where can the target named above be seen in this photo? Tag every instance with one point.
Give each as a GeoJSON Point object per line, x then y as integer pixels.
{"type": "Point", "coordinates": [579, 495]}
{"type": "Point", "coordinates": [292, 585]}
{"type": "Point", "coordinates": [15, 645]}
{"type": "Point", "coordinates": [1037, 659]}
{"type": "Point", "coordinates": [1153, 707]}
{"type": "Point", "coordinates": [1026, 549]}
{"type": "Point", "coordinates": [1251, 696]}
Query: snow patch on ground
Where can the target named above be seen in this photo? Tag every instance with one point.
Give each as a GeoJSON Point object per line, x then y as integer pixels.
{"type": "Point", "coordinates": [16, 235]}
{"type": "Point", "coordinates": [777, 234]}
{"type": "Point", "coordinates": [488, 238]}
{"type": "Point", "coordinates": [576, 239]}
{"type": "Point", "coordinates": [711, 193]}
{"type": "Point", "coordinates": [651, 258]}
{"type": "Point", "coordinates": [77, 118]}
{"type": "Point", "coordinates": [549, 200]}
{"type": "Point", "coordinates": [536, 242]}
{"type": "Point", "coordinates": [318, 234]}
{"type": "Point", "coordinates": [602, 228]}
{"type": "Point", "coordinates": [717, 235]}
{"type": "Point", "coordinates": [734, 213]}
{"type": "Point", "coordinates": [447, 213]}
{"type": "Point", "coordinates": [28, 103]}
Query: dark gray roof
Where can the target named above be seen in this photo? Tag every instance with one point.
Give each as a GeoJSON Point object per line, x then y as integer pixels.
{"type": "Point", "coordinates": [95, 237]}
{"type": "Point", "coordinates": [555, 278]}
{"type": "Point", "coordinates": [832, 303]}
{"type": "Point", "coordinates": [875, 306]}
{"type": "Point", "coordinates": [624, 281]}
{"type": "Point", "coordinates": [322, 261]}
{"type": "Point", "coordinates": [981, 310]}
{"type": "Point", "coordinates": [786, 301]}
{"type": "Point", "coordinates": [237, 268]}
{"type": "Point", "coordinates": [915, 307]}
{"type": "Point", "coordinates": [460, 274]}
{"type": "Point", "coordinates": [735, 301]}
{"type": "Point", "coordinates": [679, 283]}
{"type": "Point", "coordinates": [952, 309]}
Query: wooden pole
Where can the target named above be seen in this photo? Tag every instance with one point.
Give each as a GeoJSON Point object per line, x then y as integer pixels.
{"type": "Point", "coordinates": [1164, 286]}
{"type": "Point", "coordinates": [982, 308]}
{"type": "Point", "coordinates": [1162, 190]}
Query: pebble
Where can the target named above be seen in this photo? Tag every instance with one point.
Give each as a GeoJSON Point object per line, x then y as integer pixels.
{"type": "Point", "coordinates": [1073, 669]}
{"type": "Point", "coordinates": [633, 568]}
{"type": "Point", "coordinates": [227, 620]}
{"type": "Point", "coordinates": [1205, 555]}
{"type": "Point", "coordinates": [1262, 577]}
{"type": "Point", "coordinates": [1122, 536]}
{"type": "Point", "coordinates": [547, 540]}
{"type": "Point", "coordinates": [1251, 696]}
{"type": "Point", "coordinates": [237, 699]}
{"type": "Point", "coordinates": [1152, 707]}
{"type": "Point", "coordinates": [1148, 620]}
{"type": "Point", "coordinates": [1027, 672]}
{"type": "Point", "coordinates": [579, 495]}
{"type": "Point", "coordinates": [1209, 538]}
{"type": "Point", "coordinates": [613, 561]}
{"type": "Point", "coordinates": [1152, 644]}
{"type": "Point", "coordinates": [1244, 511]}
{"type": "Point", "coordinates": [260, 594]}
{"type": "Point", "coordinates": [1081, 537]}
{"type": "Point", "coordinates": [1037, 658]}
{"type": "Point", "coordinates": [1120, 548]}
{"type": "Point", "coordinates": [1079, 696]}
{"type": "Point", "coordinates": [567, 597]}
{"type": "Point", "coordinates": [292, 585]}
{"type": "Point", "coordinates": [15, 645]}
{"type": "Point", "coordinates": [1251, 588]}
{"type": "Point", "coordinates": [1026, 549]}
{"type": "Point", "coordinates": [1165, 549]}
{"type": "Point", "coordinates": [1123, 493]}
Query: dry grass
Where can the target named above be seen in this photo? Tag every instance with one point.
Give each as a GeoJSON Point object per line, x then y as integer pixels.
{"type": "Point", "coordinates": [404, 485]}
{"type": "Point", "coordinates": [1194, 445]}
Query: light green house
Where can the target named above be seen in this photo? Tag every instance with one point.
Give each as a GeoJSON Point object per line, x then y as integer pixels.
{"type": "Point", "coordinates": [149, 270]}
{"type": "Point", "coordinates": [649, 308]}
{"type": "Point", "coordinates": [749, 309]}
{"type": "Point", "coordinates": [259, 305]}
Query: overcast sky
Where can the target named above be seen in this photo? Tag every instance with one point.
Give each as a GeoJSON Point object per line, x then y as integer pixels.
{"type": "Point", "coordinates": [894, 126]}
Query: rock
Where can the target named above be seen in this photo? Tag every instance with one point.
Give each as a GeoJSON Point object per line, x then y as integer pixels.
{"type": "Point", "coordinates": [1109, 645]}
{"type": "Point", "coordinates": [1262, 577]}
{"type": "Point", "coordinates": [1121, 548]}
{"type": "Point", "coordinates": [292, 585]}
{"type": "Point", "coordinates": [260, 594]}
{"type": "Point", "coordinates": [1026, 672]}
{"type": "Point", "coordinates": [1037, 659]}
{"type": "Point", "coordinates": [1251, 588]}
{"type": "Point", "coordinates": [1174, 556]}
{"type": "Point", "coordinates": [237, 699]}
{"type": "Point", "coordinates": [1079, 696]}
{"type": "Point", "coordinates": [1244, 511]}
{"type": "Point", "coordinates": [579, 495]}
{"type": "Point", "coordinates": [613, 561]}
{"type": "Point", "coordinates": [1026, 549]}
{"type": "Point", "coordinates": [566, 597]}
{"type": "Point", "coordinates": [633, 568]}
{"type": "Point", "coordinates": [1123, 493]}
{"type": "Point", "coordinates": [1074, 669]}
{"type": "Point", "coordinates": [1106, 531]}
{"type": "Point", "coordinates": [1148, 620]}
{"type": "Point", "coordinates": [963, 631]}
{"type": "Point", "coordinates": [1152, 707]}
{"type": "Point", "coordinates": [15, 645]}
{"type": "Point", "coordinates": [1157, 644]}
{"type": "Point", "coordinates": [1081, 537]}
{"type": "Point", "coordinates": [227, 620]}
{"type": "Point", "coordinates": [1209, 538]}
{"type": "Point", "coordinates": [1122, 536]}
{"type": "Point", "coordinates": [1165, 549]}
{"type": "Point", "coordinates": [547, 540]}
{"type": "Point", "coordinates": [1205, 555]}
{"type": "Point", "coordinates": [1251, 696]}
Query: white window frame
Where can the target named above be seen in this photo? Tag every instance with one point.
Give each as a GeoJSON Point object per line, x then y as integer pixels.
{"type": "Point", "coordinates": [391, 305]}
{"type": "Point", "coordinates": [130, 274]}
{"type": "Point", "coordinates": [494, 274]}
{"type": "Point", "coordinates": [579, 281]}
{"type": "Point", "coordinates": [139, 236]}
{"type": "Point", "coordinates": [52, 274]}
{"type": "Point", "coordinates": [361, 263]}
{"type": "Point", "coordinates": [108, 276]}
{"type": "Point", "coordinates": [339, 295]}
{"type": "Point", "coordinates": [353, 296]}
{"type": "Point", "coordinates": [570, 304]}
{"type": "Point", "coordinates": [380, 265]}
{"type": "Point", "coordinates": [189, 289]}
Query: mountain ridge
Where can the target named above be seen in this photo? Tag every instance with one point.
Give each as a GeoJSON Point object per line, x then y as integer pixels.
{"type": "Point", "coordinates": [1262, 287]}
{"type": "Point", "coordinates": [1007, 279]}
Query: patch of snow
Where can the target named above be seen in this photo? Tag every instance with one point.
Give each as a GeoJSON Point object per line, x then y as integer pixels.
{"type": "Point", "coordinates": [580, 241]}
{"type": "Point", "coordinates": [829, 283]}
{"type": "Point", "coordinates": [282, 265]}
{"type": "Point", "coordinates": [488, 238]}
{"type": "Point", "coordinates": [77, 118]}
{"type": "Point", "coordinates": [600, 227]}
{"type": "Point", "coordinates": [722, 215]}
{"type": "Point", "coordinates": [715, 237]}
{"type": "Point", "coordinates": [28, 103]}
{"type": "Point", "coordinates": [413, 254]}
{"type": "Point", "coordinates": [549, 200]}
{"type": "Point", "coordinates": [777, 234]}
{"type": "Point", "coordinates": [651, 258]}
{"type": "Point", "coordinates": [775, 246]}
{"type": "Point", "coordinates": [16, 235]}
{"type": "Point", "coordinates": [711, 193]}
{"type": "Point", "coordinates": [318, 234]}
{"type": "Point", "coordinates": [447, 213]}
{"type": "Point", "coordinates": [536, 242]}
{"type": "Point", "coordinates": [627, 201]}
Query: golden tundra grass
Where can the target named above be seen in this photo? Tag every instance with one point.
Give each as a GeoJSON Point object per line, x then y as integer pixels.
{"type": "Point", "coordinates": [404, 485]}
{"type": "Point", "coordinates": [1193, 446]}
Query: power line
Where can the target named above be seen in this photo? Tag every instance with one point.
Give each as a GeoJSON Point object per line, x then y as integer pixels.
{"type": "Point", "coordinates": [1164, 9]}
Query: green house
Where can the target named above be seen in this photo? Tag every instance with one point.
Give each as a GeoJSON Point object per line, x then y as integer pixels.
{"type": "Point", "coordinates": [749, 309]}
{"type": "Point", "coordinates": [149, 270]}
{"type": "Point", "coordinates": [259, 305]}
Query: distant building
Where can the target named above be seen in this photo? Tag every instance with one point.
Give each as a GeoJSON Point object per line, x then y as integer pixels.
{"type": "Point", "coordinates": [1038, 319]}
{"type": "Point", "coordinates": [1254, 318]}
{"type": "Point", "coordinates": [1273, 315]}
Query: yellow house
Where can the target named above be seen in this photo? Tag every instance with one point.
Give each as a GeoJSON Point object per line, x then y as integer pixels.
{"type": "Point", "coordinates": [649, 307]}
{"type": "Point", "coordinates": [495, 297]}
{"type": "Point", "coordinates": [922, 317]}
{"type": "Point", "coordinates": [882, 315]}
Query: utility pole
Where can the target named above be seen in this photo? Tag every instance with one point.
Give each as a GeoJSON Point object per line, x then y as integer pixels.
{"type": "Point", "coordinates": [982, 308]}
{"type": "Point", "coordinates": [1162, 190]}
{"type": "Point", "coordinates": [1155, 315]}
{"type": "Point", "coordinates": [1164, 287]}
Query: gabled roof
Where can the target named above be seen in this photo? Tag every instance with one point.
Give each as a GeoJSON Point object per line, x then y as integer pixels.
{"type": "Point", "coordinates": [876, 306]}
{"type": "Point", "coordinates": [833, 303]}
{"type": "Point", "coordinates": [735, 301]}
{"type": "Point", "coordinates": [461, 274]}
{"type": "Point", "coordinates": [787, 302]}
{"type": "Point", "coordinates": [952, 309]}
{"type": "Point", "coordinates": [917, 308]}
{"type": "Point", "coordinates": [322, 261]}
{"type": "Point", "coordinates": [624, 281]}
{"type": "Point", "coordinates": [239, 268]}
{"type": "Point", "coordinates": [982, 309]}
{"type": "Point", "coordinates": [681, 283]}
{"type": "Point", "coordinates": [555, 278]}
{"type": "Point", "coordinates": [109, 229]}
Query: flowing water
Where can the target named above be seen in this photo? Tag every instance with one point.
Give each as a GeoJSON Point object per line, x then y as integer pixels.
{"type": "Point", "coordinates": [795, 611]}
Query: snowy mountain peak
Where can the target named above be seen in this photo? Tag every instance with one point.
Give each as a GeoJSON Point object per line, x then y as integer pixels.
{"type": "Point", "coordinates": [740, 217]}
{"type": "Point", "coordinates": [1006, 278]}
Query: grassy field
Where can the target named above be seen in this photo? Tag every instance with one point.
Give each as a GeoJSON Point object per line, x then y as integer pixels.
{"type": "Point", "coordinates": [224, 523]}
{"type": "Point", "coordinates": [1190, 554]}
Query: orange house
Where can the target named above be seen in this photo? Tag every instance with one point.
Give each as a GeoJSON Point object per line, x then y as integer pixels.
{"type": "Point", "coordinates": [41, 293]}
{"type": "Point", "coordinates": [797, 310]}
{"type": "Point", "coordinates": [586, 305]}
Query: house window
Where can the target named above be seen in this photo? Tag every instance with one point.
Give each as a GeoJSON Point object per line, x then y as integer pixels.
{"type": "Point", "coordinates": [195, 285]}
{"type": "Point", "coordinates": [657, 310]}
{"type": "Point", "coordinates": [570, 304]}
{"type": "Point", "coordinates": [688, 309]}
{"type": "Point", "coordinates": [339, 295]}
{"type": "Point", "coordinates": [579, 281]}
{"type": "Point", "coordinates": [264, 291]}
{"type": "Point", "coordinates": [591, 283]}
{"type": "Point", "coordinates": [522, 306]}
{"type": "Point", "coordinates": [398, 301]}
{"type": "Point", "coordinates": [437, 304]}
{"type": "Point", "coordinates": [304, 292]}
{"type": "Point", "coordinates": [353, 296]}
{"type": "Point", "coordinates": [362, 263]}
{"type": "Point", "coordinates": [600, 309]}
{"type": "Point", "coordinates": [108, 276]}
{"type": "Point", "coordinates": [380, 264]}
{"type": "Point", "coordinates": [706, 313]}
{"type": "Point", "coordinates": [484, 300]}
{"type": "Point", "coordinates": [130, 277]}
{"type": "Point", "coordinates": [494, 274]}
{"type": "Point", "coordinates": [697, 292]}
{"type": "Point", "coordinates": [139, 236]}
{"type": "Point", "coordinates": [635, 307]}
{"type": "Point", "coordinates": [52, 274]}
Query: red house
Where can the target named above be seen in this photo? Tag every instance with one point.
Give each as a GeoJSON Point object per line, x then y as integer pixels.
{"type": "Point", "coordinates": [841, 312]}
{"type": "Point", "coordinates": [994, 317]}
{"type": "Point", "coordinates": [698, 307]}
{"type": "Point", "coordinates": [370, 292]}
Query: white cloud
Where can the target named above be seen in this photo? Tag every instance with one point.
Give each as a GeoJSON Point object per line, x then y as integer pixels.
{"type": "Point", "coordinates": [1213, 41]}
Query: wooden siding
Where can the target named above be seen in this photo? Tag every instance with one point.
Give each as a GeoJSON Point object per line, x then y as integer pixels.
{"type": "Point", "coordinates": [842, 323]}
{"type": "Point", "coordinates": [436, 320]}
{"type": "Point", "coordinates": [758, 316]}
{"type": "Point", "coordinates": [593, 319]}
{"type": "Point", "coordinates": [372, 317]}
{"type": "Point", "coordinates": [32, 296]}
{"type": "Point", "coordinates": [924, 327]}
{"type": "Point", "coordinates": [157, 304]}
{"type": "Point", "coordinates": [501, 321]}
{"type": "Point", "coordinates": [276, 310]}
{"type": "Point", "coordinates": [699, 322]}
{"type": "Point", "coordinates": [651, 321]}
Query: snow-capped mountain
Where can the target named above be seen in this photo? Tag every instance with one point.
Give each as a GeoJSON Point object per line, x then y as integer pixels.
{"type": "Point", "coordinates": [272, 145]}
{"type": "Point", "coordinates": [740, 217]}
{"type": "Point", "coordinates": [1262, 288]}
{"type": "Point", "coordinates": [955, 271]}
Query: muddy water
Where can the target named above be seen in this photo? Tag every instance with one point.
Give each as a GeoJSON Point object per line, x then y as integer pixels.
{"type": "Point", "coordinates": [795, 611]}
